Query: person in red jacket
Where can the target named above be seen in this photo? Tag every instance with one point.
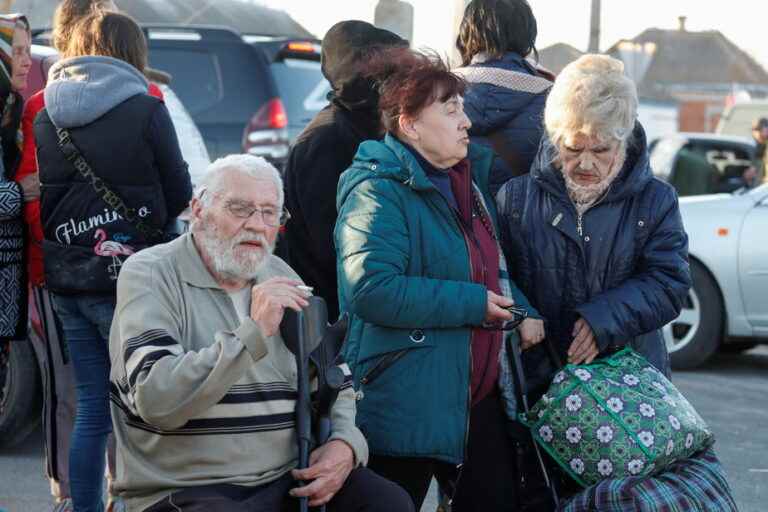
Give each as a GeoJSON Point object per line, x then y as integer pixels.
{"type": "Point", "coordinates": [59, 397]}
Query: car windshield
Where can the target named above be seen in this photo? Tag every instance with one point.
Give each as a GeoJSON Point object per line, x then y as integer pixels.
{"type": "Point", "coordinates": [302, 87]}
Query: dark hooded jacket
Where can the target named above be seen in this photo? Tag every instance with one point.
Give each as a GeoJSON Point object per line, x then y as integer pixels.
{"type": "Point", "coordinates": [626, 274]}
{"type": "Point", "coordinates": [505, 101]}
{"type": "Point", "coordinates": [326, 148]}
{"type": "Point", "coordinates": [127, 138]}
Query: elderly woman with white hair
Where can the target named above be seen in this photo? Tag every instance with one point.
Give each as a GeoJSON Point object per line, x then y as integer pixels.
{"type": "Point", "coordinates": [592, 238]}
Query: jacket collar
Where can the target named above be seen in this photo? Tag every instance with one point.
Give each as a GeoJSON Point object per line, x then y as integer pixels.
{"type": "Point", "coordinates": [510, 60]}
{"type": "Point", "coordinates": [192, 270]}
{"type": "Point", "coordinates": [414, 175]}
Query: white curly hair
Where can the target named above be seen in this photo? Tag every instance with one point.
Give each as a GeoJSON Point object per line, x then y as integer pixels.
{"type": "Point", "coordinates": [250, 165]}
{"type": "Point", "coordinates": [592, 96]}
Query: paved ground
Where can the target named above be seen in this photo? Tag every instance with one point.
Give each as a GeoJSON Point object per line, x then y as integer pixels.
{"type": "Point", "coordinates": [731, 393]}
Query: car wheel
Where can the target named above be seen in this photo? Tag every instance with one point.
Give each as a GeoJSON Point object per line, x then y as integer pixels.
{"type": "Point", "coordinates": [20, 392]}
{"type": "Point", "coordinates": [737, 347]}
{"type": "Point", "coordinates": [695, 334]}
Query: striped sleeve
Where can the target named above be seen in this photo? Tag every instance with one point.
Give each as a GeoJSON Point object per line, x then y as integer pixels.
{"type": "Point", "coordinates": [158, 379]}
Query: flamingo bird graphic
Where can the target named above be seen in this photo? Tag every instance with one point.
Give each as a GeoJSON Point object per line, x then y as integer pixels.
{"type": "Point", "coordinates": [110, 248]}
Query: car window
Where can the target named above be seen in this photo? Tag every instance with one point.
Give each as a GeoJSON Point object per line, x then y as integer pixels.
{"type": "Point", "coordinates": [218, 83]}
{"type": "Point", "coordinates": [663, 155]}
{"type": "Point", "coordinates": [302, 87]}
{"type": "Point", "coordinates": [196, 76]}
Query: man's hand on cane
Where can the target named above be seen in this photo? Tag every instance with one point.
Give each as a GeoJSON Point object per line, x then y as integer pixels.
{"type": "Point", "coordinates": [329, 467]}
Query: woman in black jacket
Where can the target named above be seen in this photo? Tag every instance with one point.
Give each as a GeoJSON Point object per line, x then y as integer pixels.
{"type": "Point", "coordinates": [95, 216]}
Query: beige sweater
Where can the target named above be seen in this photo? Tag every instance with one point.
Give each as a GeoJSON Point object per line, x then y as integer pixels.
{"type": "Point", "coordinates": [199, 397]}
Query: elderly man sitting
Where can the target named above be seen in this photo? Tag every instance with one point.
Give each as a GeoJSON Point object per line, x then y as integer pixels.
{"type": "Point", "coordinates": [203, 386]}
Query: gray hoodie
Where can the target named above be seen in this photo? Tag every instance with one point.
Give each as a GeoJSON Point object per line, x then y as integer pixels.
{"type": "Point", "coordinates": [82, 89]}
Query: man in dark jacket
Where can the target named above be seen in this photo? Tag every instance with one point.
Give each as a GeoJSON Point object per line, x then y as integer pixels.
{"type": "Point", "coordinates": [594, 241]}
{"type": "Point", "coordinates": [326, 148]}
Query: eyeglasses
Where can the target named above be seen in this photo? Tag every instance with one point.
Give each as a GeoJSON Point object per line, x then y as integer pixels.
{"type": "Point", "coordinates": [519, 314]}
{"type": "Point", "coordinates": [269, 215]}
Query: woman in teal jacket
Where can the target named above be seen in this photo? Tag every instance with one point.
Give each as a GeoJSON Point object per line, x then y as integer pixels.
{"type": "Point", "coordinates": [422, 276]}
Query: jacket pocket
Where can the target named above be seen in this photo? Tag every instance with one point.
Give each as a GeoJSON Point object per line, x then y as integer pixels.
{"type": "Point", "coordinates": [376, 340]}
{"type": "Point", "coordinates": [383, 347]}
{"type": "Point", "coordinates": [381, 365]}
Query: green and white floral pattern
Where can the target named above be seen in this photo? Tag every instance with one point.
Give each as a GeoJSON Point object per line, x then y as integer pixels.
{"type": "Point", "coordinates": [614, 418]}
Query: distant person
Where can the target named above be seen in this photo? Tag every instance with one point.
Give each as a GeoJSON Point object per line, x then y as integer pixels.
{"type": "Point", "coordinates": [326, 148]}
{"type": "Point", "coordinates": [760, 162]}
{"type": "Point", "coordinates": [58, 388]}
{"type": "Point", "coordinates": [136, 181]}
{"type": "Point", "coordinates": [506, 95]}
{"type": "Point", "coordinates": [204, 384]}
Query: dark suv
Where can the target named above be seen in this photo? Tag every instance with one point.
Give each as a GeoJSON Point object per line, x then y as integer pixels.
{"type": "Point", "coordinates": [248, 93]}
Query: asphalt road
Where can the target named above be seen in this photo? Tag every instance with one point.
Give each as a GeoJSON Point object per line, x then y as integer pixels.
{"type": "Point", "coordinates": [731, 393]}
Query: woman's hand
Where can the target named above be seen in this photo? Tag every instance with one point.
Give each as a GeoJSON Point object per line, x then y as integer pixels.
{"type": "Point", "coordinates": [584, 347]}
{"type": "Point", "coordinates": [30, 185]}
{"type": "Point", "coordinates": [495, 312]}
{"type": "Point", "coordinates": [531, 332]}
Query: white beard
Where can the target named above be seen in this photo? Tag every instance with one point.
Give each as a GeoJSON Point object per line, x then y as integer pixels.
{"type": "Point", "coordinates": [584, 196]}
{"type": "Point", "coordinates": [221, 252]}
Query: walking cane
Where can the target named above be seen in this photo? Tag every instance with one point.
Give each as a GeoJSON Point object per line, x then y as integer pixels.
{"type": "Point", "coordinates": [302, 331]}
{"type": "Point", "coordinates": [308, 336]}
{"type": "Point", "coordinates": [516, 362]}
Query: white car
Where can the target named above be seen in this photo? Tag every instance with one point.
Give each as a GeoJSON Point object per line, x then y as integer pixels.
{"type": "Point", "coordinates": [727, 307]}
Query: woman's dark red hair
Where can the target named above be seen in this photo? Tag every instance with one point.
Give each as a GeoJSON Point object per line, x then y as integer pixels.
{"type": "Point", "coordinates": [413, 82]}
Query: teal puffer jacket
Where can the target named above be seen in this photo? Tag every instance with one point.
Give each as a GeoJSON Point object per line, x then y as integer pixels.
{"type": "Point", "coordinates": [404, 277]}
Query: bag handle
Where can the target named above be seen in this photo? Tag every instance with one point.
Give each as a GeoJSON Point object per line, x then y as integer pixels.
{"type": "Point", "coordinates": [101, 188]}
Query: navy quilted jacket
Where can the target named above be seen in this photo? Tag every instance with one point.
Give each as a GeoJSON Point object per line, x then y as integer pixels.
{"type": "Point", "coordinates": [516, 110]}
{"type": "Point", "coordinates": [626, 274]}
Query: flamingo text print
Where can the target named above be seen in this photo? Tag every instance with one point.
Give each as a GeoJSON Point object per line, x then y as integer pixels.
{"type": "Point", "coordinates": [110, 248]}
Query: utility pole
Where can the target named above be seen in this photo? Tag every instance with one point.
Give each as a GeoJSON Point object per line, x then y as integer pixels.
{"type": "Point", "coordinates": [594, 28]}
{"type": "Point", "coordinates": [395, 16]}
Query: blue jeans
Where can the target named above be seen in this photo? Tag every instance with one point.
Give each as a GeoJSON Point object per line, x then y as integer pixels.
{"type": "Point", "coordinates": [85, 320]}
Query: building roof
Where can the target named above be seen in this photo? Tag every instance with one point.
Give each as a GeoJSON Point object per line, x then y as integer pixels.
{"type": "Point", "coordinates": [245, 17]}
{"type": "Point", "coordinates": [669, 64]}
{"type": "Point", "coordinates": [557, 56]}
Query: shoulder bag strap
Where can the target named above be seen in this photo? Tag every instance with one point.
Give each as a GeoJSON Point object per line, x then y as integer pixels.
{"type": "Point", "coordinates": [103, 190]}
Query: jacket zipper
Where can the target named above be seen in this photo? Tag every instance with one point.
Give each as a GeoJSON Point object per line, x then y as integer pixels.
{"type": "Point", "coordinates": [580, 216]}
{"type": "Point", "coordinates": [463, 230]}
{"type": "Point", "coordinates": [460, 466]}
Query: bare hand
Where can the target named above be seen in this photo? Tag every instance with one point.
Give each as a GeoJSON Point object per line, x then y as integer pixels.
{"type": "Point", "coordinates": [531, 332]}
{"type": "Point", "coordinates": [584, 347]}
{"type": "Point", "coordinates": [495, 312]}
{"type": "Point", "coordinates": [329, 467]}
{"type": "Point", "coordinates": [269, 300]}
{"type": "Point", "coordinates": [30, 185]}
